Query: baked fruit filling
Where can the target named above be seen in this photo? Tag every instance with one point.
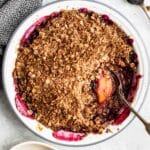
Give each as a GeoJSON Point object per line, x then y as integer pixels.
{"type": "Point", "coordinates": [104, 88]}
{"type": "Point", "coordinates": [61, 73]}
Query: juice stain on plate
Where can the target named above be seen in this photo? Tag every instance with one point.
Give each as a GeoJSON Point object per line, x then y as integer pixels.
{"type": "Point", "coordinates": [68, 135]}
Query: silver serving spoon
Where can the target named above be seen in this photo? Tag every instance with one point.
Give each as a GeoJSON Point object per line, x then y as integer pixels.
{"type": "Point", "coordinates": [120, 92]}
{"type": "Point", "coordinates": [141, 4]}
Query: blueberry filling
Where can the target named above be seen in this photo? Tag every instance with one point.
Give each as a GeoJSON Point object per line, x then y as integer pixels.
{"type": "Point", "coordinates": [133, 58]}
{"type": "Point", "coordinates": [86, 11]}
{"type": "Point", "coordinates": [130, 41]}
{"type": "Point", "coordinates": [93, 85]}
{"type": "Point", "coordinates": [106, 19]}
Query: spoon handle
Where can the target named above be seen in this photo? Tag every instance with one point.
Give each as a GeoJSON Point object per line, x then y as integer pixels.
{"type": "Point", "coordinates": [147, 125]}
{"type": "Point", "coordinates": [145, 11]}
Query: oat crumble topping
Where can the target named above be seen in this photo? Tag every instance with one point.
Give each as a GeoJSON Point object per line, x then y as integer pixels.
{"type": "Point", "coordinates": [55, 72]}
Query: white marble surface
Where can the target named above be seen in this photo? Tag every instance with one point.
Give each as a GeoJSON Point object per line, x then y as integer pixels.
{"type": "Point", "coordinates": [12, 131]}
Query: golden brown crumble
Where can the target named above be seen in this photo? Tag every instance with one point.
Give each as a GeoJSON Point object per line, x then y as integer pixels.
{"type": "Point", "coordinates": [54, 72]}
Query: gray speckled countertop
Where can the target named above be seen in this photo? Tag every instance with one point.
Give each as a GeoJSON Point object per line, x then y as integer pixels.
{"type": "Point", "coordinates": [12, 131]}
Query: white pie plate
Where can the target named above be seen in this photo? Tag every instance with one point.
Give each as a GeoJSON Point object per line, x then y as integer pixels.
{"type": "Point", "coordinates": [122, 21]}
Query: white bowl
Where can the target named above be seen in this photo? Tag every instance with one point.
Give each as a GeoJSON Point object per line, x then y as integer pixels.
{"type": "Point", "coordinates": [11, 54]}
{"type": "Point", "coordinates": [32, 146]}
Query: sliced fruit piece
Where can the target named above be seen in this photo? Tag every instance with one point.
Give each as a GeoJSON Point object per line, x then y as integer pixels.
{"type": "Point", "coordinates": [22, 108]}
{"type": "Point", "coordinates": [104, 86]}
{"type": "Point", "coordinates": [68, 136]}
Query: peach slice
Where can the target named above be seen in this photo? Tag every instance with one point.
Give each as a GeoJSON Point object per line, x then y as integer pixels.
{"type": "Point", "coordinates": [104, 86]}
